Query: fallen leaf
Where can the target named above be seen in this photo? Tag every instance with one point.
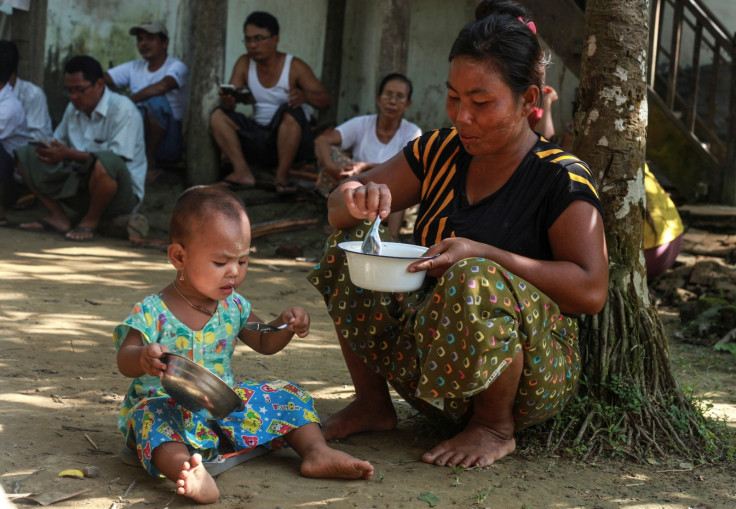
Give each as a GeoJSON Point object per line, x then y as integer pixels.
{"type": "Point", "coordinates": [687, 465]}
{"type": "Point", "coordinates": [429, 497]}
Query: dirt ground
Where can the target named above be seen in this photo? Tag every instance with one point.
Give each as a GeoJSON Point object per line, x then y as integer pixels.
{"type": "Point", "coordinates": [61, 390]}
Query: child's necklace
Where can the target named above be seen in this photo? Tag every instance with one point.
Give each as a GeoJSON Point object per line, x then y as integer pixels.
{"type": "Point", "coordinates": [194, 306]}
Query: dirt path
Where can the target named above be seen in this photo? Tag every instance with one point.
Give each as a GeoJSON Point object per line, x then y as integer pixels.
{"type": "Point", "coordinates": [61, 392]}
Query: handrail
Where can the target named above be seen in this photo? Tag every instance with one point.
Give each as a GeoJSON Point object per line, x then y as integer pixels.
{"type": "Point", "coordinates": [690, 88]}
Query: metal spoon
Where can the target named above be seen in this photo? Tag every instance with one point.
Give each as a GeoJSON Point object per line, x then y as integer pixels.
{"type": "Point", "coordinates": [372, 242]}
{"type": "Point", "coordinates": [263, 327]}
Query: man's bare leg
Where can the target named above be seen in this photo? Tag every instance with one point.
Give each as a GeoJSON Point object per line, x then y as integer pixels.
{"type": "Point", "coordinates": [56, 218]}
{"type": "Point", "coordinates": [187, 471]}
{"type": "Point", "coordinates": [372, 409]}
{"type": "Point", "coordinates": [225, 133]}
{"type": "Point", "coordinates": [102, 189]}
{"type": "Point", "coordinates": [322, 461]}
{"type": "Point", "coordinates": [489, 436]}
{"type": "Point", "coordinates": [287, 143]}
{"type": "Point", "coordinates": [154, 134]}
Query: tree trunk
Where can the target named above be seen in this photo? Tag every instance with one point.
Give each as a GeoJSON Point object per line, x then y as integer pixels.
{"type": "Point", "coordinates": [630, 403]}
{"type": "Point", "coordinates": [394, 37]}
{"type": "Point", "coordinates": [332, 58]}
{"type": "Point", "coordinates": [206, 70]}
{"type": "Point", "coordinates": [28, 31]}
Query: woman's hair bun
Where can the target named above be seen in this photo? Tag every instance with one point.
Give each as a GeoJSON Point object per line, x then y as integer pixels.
{"type": "Point", "coordinates": [487, 7]}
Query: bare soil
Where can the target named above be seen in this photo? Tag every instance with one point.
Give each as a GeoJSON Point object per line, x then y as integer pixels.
{"type": "Point", "coordinates": [61, 389]}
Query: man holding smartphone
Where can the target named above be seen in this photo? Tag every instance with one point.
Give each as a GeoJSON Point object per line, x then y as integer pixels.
{"type": "Point", "coordinates": [280, 86]}
{"type": "Point", "coordinates": [95, 164]}
{"type": "Point", "coordinates": [158, 86]}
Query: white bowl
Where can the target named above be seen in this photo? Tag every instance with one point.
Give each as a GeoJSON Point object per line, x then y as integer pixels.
{"type": "Point", "coordinates": [385, 272]}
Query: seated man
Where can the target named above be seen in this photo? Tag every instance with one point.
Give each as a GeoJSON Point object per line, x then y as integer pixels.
{"type": "Point", "coordinates": [96, 163]}
{"type": "Point", "coordinates": [13, 129]}
{"type": "Point", "coordinates": [158, 84]}
{"type": "Point", "coordinates": [31, 97]}
{"type": "Point", "coordinates": [280, 86]}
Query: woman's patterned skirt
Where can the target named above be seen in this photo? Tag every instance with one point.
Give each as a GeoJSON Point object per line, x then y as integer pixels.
{"type": "Point", "coordinates": [449, 340]}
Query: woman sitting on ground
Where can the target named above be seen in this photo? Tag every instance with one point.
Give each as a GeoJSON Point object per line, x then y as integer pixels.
{"type": "Point", "coordinates": [490, 340]}
{"type": "Point", "coordinates": [373, 139]}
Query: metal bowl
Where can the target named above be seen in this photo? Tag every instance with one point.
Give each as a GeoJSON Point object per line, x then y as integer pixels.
{"type": "Point", "coordinates": [198, 389]}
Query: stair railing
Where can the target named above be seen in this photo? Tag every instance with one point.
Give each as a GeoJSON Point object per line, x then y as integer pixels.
{"type": "Point", "coordinates": [691, 71]}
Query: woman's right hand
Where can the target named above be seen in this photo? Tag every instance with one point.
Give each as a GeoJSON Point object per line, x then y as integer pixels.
{"type": "Point", "coordinates": [150, 359]}
{"type": "Point", "coordinates": [366, 201]}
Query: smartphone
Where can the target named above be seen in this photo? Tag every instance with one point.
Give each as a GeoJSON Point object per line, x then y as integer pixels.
{"type": "Point", "coordinates": [38, 143]}
{"type": "Point", "coordinates": [227, 88]}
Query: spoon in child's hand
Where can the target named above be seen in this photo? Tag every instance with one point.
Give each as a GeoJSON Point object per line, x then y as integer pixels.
{"type": "Point", "coordinates": [263, 327]}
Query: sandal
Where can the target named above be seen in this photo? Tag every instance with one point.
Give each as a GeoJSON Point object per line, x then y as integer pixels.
{"type": "Point", "coordinates": [285, 189]}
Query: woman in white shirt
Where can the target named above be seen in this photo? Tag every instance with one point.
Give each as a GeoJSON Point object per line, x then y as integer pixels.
{"type": "Point", "coordinates": [372, 139]}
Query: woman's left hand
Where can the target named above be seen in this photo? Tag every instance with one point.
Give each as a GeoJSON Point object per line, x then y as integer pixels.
{"type": "Point", "coordinates": [451, 251]}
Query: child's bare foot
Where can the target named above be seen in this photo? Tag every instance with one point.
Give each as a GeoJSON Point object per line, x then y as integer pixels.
{"type": "Point", "coordinates": [475, 446]}
{"type": "Point", "coordinates": [196, 483]}
{"type": "Point", "coordinates": [360, 416]}
{"type": "Point", "coordinates": [327, 463]}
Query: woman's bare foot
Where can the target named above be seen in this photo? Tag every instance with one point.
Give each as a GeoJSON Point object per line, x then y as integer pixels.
{"type": "Point", "coordinates": [475, 446]}
{"type": "Point", "coordinates": [327, 463]}
{"type": "Point", "coordinates": [360, 416]}
{"type": "Point", "coordinates": [196, 483]}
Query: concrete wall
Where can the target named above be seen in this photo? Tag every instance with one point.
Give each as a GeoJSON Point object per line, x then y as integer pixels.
{"type": "Point", "coordinates": [301, 27]}
{"type": "Point", "coordinates": [429, 45]}
{"type": "Point", "coordinates": [99, 29]}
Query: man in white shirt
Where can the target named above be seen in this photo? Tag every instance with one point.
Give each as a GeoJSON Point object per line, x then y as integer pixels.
{"type": "Point", "coordinates": [280, 86]}
{"type": "Point", "coordinates": [31, 97]}
{"type": "Point", "coordinates": [158, 86]}
{"type": "Point", "coordinates": [95, 164]}
{"type": "Point", "coordinates": [13, 129]}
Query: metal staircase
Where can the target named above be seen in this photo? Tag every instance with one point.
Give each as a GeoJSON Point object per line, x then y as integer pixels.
{"type": "Point", "coordinates": [691, 80]}
{"type": "Point", "coordinates": [691, 71]}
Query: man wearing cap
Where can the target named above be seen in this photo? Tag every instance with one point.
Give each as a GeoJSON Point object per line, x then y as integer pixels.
{"type": "Point", "coordinates": [280, 86]}
{"type": "Point", "coordinates": [158, 86]}
{"type": "Point", "coordinates": [95, 164]}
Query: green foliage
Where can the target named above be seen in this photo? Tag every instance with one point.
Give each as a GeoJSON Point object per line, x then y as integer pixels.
{"type": "Point", "coordinates": [726, 347]}
{"type": "Point", "coordinates": [609, 418]}
{"type": "Point", "coordinates": [481, 496]}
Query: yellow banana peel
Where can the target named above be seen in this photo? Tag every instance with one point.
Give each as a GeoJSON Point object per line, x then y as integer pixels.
{"type": "Point", "coordinates": [72, 473]}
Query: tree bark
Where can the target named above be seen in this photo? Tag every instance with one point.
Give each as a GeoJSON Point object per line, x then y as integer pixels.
{"type": "Point", "coordinates": [332, 58]}
{"type": "Point", "coordinates": [630, 403]}
{"type": "Point", "coordinates": [206, 70]}
{"type": "Point", "coordinates": [28, 32]}
{"type": "Point", "coordinates": [394, 37]}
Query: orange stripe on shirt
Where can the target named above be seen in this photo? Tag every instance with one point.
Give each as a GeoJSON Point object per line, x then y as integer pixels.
{"type": "Point", "coordinates": [583, 180]}
{"type": "Point", "coordinates": [427, 147]}
{"type": "Point", "coordinates": [429, 221]}
{"type": "Point", "coordinates": [546, 153]}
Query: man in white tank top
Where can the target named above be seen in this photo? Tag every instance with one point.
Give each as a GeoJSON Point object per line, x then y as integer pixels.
{"type": "Point", "coordinates": [279, 86]}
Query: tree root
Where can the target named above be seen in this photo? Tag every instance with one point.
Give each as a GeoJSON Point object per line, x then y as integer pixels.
{"type": "Point", "coordinates": [633, 404]}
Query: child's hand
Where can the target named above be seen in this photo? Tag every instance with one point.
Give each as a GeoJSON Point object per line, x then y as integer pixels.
{"type": "Point", "coordinates": [298, 320]}
{"type": "Point", "coordinates": [150, 359]}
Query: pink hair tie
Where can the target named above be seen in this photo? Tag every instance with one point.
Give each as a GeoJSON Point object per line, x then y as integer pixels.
{"type": "Point", "coordinates": [530, 24]}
